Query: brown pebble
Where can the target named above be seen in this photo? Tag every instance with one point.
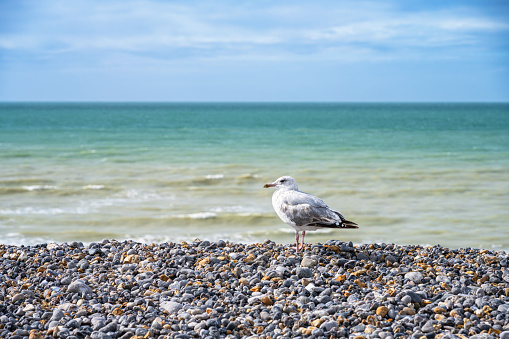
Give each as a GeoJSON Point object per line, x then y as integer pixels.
{"type": "Point", "coordinates": [34, 334]}
{"type": "Point", "coordinates": [494, 331]}
{"type": "Point", "coordinates": [439, 317]}
{"type": "Point", "coordinates": [317, 322]}
{"type": "Point", "coordinates": [308, 330]}
{"type": "Point", "coordinates": [360, 283]}
{"type": "Point", "coordinates": [371, 320]}
{"type": "Point", "coordinates": [382, 311]}
{"type": "Point", "coordinates": [341, 278]}
{"type": "Point", "coordinates": [369, 330]}
{"type": "Point", "coordinates": [439, 310]}
{"type": "Point", "coordinates": [132, 259]}
{"type": "Point", "coordinates": [486, 309]}
{"type": "Point", "coordinates": [407, 311]}
{"type": "Point", "coordinates": [266, 301]}
{"type": "Point", "coordinates": [117, 311]}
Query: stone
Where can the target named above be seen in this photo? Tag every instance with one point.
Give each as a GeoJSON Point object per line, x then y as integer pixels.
{"type": "Point", "coordinates": [80, 287]}
{"type": "Point", "coordinates": [57, 315]}
{"type": "Point", "coordinates": [304, 272]}
{"type": "Point", "coordinates": [416, 277]}
{"type": "Point", "coordinates": [18, 297]}
{"type": "Point", "coordinates": [308, 262]}
{"type": "Point", "coordinates": [382, 311]}
{"type": "Point", "coordinates": [428, 327]}
{"type": "Point", "coordinates": [171, 307]}
{"type": "Point", "coordinates": [407, 311]}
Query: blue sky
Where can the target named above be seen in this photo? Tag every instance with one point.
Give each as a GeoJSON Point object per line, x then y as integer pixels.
{"type": "Point", "coordinates": [58, 50]}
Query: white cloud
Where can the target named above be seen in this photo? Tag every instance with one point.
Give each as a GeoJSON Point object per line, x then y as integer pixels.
{"type": "Point", "coordinates": [417, 30]}
{"type": "Point", "coordinates": [367, 30]}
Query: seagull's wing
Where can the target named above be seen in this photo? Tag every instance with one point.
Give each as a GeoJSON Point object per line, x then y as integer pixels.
{"type": "Point", "coordinates": [305, 209]}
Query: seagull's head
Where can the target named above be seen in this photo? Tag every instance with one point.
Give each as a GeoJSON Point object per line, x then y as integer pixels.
{"type": "Point", "coordinates": [284, 182]}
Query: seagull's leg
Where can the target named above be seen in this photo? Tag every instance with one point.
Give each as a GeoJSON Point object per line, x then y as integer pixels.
{"type": "Point", "coordinates": [303, 234]}
{"type": "Point", "coordinates": [297, 240]}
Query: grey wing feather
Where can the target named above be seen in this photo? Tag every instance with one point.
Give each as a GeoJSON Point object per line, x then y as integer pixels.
{"type": "Point", "coordinates": [299, 198]}
{"type": "Point", "coordinates": [306, 209]}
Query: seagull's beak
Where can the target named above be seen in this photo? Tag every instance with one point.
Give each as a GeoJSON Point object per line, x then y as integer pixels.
{"type": "Point", "coordinates": [269, 185]}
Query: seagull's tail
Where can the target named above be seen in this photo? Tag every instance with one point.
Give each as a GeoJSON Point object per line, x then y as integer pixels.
{"type": "Point", "coordinates": [348, 224]}
{"type": "Point", "coordinates": [345, 223]}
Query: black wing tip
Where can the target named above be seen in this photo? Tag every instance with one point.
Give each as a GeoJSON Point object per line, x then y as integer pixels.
{"type": "Point", "coordinates": [344, 224]}
{"type": "Point", "coordinates": [349, 224]}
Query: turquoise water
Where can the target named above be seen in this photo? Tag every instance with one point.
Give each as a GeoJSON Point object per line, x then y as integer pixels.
{"type": "Point", "coordinates": [407, 173]}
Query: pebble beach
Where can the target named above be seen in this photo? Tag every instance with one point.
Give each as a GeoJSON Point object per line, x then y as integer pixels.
{"type": "Point", "coordinates": [202, 289]}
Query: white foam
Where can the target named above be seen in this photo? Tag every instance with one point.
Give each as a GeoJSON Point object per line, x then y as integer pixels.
{"type": "Point", "coordinates": [40, 187]}
{"type": "Point", "coordinates": [17, 239]}
{"type": "Point", "coordinates": [234, 209]}
{"type": "Point", "coordinates": [41, 211]}
{"type": "Point", "coordinates": [214, 176]}
{"type": "Point", "coordinates": [93, 187]}
{"type": "Point", "coordinates": [202, 215]}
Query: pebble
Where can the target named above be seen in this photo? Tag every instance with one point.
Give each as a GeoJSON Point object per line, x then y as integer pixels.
{"type": "Point", "coordinates": [80, 287]}
{"type": "Point", "coordinates": [171, 307]}
{"type": "Point", "coordinates": [125, 289]}
{"type": "Point", "coordinates": [304, 272]}
{"type": "Point", "coordinates": [308, 262]}
{"type": "Point", "coordinates": [416, 277]}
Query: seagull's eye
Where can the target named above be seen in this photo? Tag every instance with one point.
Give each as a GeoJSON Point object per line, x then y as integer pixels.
{"type": "Point", "coordinates": [282, 181]}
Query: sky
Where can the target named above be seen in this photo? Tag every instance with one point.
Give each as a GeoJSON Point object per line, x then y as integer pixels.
{"type": "Point", "coordinates": [374, 51]}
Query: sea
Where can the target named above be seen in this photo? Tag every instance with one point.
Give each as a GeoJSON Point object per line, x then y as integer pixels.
{"type": "Point", "coordinates": [407, 173]}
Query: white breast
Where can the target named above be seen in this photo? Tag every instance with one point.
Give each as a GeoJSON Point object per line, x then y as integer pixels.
{"type": "Point", "coordinates": [277, 202]}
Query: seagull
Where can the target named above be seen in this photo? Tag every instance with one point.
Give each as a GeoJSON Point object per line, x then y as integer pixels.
{"type": "Point", "coordinates": [303, 211]}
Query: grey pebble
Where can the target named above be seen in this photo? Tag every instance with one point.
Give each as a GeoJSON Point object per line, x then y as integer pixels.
{"type": "Point", "coordinates": [308, 262]}
{"type": "Point", "coordinates": [17, 297]}
{"type": "Point", "coordinates": [79, 286]}
{"type": "Point", "coordinates": [416, 277]}
{"type": "Point", "coordinates": [329, 325]}
{"type": "Point", "coordinates": [57, 314]}
{"type": "Point", "coordinates": [428, 327]}
{"type": "Point", "coordinates": [304, 272]}
{"type": "Point", "coordinates": [171, 307]}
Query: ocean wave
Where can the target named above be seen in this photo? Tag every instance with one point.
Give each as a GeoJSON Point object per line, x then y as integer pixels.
{"type": "Point", "coordinates": [199, 215]}
{"type": "Point", "coordinates": [210, 180]}
{"type": "Point", "coordinates": [49, 190]}
{"type": "Point", "coordinates": [15, 238]}
{"type": "Point", "coordinates": [40, 187]}
{"type": "Point", "coordinates": [25, 181]}
{"type": "Point", "coordinates": [235, 209]}
{"type": "Point", "coordinates": [26, 185]}
{"type": "Point", "coordinates": [11, 190]}
{"type": "Point", "coordinates": [93, 187]}
{"type": "Point", "coordinates": [42, 211]}
{"type": "Point", "coordinates": [182, 222]}
{"type": "Point", "coordinates": [214, 176]}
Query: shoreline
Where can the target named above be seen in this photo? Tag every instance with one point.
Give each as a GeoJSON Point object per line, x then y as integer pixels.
{"type": "Point", "coordinates": [125, 289]}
